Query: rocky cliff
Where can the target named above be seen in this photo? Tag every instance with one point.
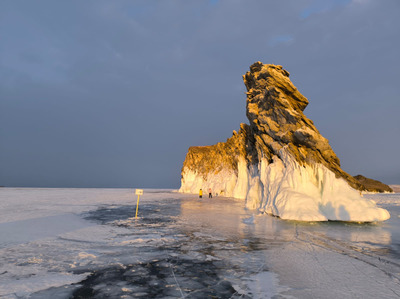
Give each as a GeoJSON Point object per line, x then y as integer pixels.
{"type": "Point", "coordinates": [371, 185]}
{"type": "Point", "coordinates": [279, 163]}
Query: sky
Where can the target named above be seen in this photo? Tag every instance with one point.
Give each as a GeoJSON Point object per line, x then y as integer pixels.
{"type": "Point", "coordinates": [113, 93]}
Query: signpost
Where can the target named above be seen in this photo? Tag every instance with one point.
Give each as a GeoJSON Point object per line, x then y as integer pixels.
{"type": "Point", "coordinates": [138, 193]}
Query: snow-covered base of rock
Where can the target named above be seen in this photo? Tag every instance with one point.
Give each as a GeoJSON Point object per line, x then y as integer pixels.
{"type": "Point", "coordinates": [288, 190]}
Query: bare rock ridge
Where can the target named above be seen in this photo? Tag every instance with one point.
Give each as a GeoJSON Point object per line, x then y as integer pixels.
{"type": "Point", "coordinates": [372, 185]}
{"type": "Point", "coordinates": [280, 164]}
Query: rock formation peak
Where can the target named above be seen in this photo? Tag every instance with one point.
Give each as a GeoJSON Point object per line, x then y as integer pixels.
{"type": "Point", "coordinates": [275, 111]}
{"type": "Point", "coordinates": [279, 163]}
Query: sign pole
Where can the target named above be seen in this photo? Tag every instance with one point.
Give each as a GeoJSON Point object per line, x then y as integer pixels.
{"type": "Point", "coordinates": [138, 192]}
{"type": "Point", "coordinates": [137, 205]}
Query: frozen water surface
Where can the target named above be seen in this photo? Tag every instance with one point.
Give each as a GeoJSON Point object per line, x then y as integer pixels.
{"type": "Point", "coordinates": [85, 243]}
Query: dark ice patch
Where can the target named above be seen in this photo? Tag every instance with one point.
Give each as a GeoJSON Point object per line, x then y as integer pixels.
{"type": "Point", "coordinates": [148, 213]}
{"type": "Point", "coordinates": [159, 278]}
{"type": "Point", "coordinates": [190, 263]}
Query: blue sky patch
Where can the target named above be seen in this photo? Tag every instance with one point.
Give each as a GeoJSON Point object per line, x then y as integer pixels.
{"type": "Point", "coordinates": [280, 39]}
{"type": "Point", "coordinates": [319, 6]}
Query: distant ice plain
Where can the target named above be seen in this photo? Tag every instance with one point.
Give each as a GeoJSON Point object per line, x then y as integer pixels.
{"type": "Point", "coordinates": [57, 243]}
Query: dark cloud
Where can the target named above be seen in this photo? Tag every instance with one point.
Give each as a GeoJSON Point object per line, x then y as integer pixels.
{"type": "Point", "coordinates": [111, 94]}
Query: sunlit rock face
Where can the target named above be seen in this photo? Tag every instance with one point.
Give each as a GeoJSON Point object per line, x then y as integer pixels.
{"type": "Point", "coordinates": [280, 164]}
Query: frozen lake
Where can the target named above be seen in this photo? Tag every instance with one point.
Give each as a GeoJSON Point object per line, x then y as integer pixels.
{"type": "Point", "coordinates": [85, 243]}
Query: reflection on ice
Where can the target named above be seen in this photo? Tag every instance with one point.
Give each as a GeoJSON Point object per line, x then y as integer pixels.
{"type": "Point", "coordinates": [220, 218]}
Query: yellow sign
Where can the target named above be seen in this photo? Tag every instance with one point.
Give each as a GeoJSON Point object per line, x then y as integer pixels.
{"type": "Point", "coordinates": [139, 191]}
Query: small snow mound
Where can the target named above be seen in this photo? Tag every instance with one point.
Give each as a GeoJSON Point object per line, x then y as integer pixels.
{"type": "Point", "coordinates": [85, 255]}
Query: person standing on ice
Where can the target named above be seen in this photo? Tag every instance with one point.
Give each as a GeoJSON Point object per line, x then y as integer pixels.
{"type": "Point", "coordinates": [200, 193]}
{"type": "Point", "coordinates": [209, 193]}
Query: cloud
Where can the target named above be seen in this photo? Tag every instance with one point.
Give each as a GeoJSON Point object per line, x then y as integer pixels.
{"type": "Point", "coordinates": [101, 93]}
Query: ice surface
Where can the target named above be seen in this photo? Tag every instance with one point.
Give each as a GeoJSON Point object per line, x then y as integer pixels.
{"type": "Point", "coordinates": [185, 247]}
{"type": "Point", "coordinates": [289, 190]}
{"type": "Point", "coordinates": [38, 228]}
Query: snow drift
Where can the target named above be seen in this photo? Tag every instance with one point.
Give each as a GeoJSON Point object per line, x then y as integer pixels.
{"type": "Point", "coordinates": [279, 164]}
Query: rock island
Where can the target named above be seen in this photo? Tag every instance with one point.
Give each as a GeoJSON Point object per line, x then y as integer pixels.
{"type": "Point", "coordinates": [279, 164]}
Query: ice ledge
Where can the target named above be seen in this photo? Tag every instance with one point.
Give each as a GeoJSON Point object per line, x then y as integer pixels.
{"type": "Point", "coordinates": [290, 191]}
